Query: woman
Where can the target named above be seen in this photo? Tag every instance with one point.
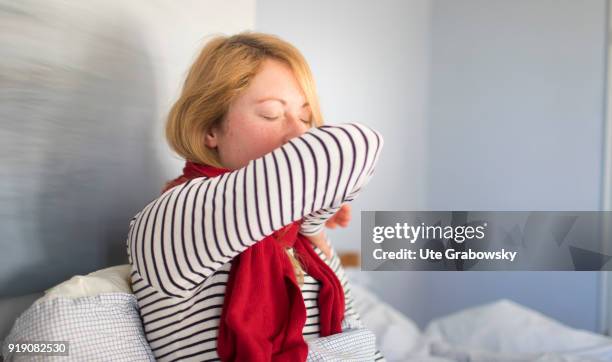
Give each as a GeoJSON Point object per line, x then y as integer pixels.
{"type": "Point", "coordinates": [231, 261]}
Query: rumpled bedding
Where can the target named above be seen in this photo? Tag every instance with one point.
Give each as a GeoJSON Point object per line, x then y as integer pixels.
{"type": "Point", "coordinates": [501, 331]}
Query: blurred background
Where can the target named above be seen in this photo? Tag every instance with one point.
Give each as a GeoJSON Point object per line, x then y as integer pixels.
{"type": "Point", "coordinates": [484, 105]}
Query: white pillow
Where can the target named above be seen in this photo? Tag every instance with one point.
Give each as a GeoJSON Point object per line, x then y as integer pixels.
{"type": "Point", "coordinates": [105, 327]}
{"type": "Point", "coordinates": [110, 280]}
{"type": "Point", "coordinates": [96, 313]}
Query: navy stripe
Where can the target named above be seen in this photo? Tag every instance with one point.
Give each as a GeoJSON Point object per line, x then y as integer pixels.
{"type": "Point", "coordinates": [193, 233]}
{"type": "Point", "coordinates": [280, 191]}
{"type": "Point", "coordinates": [225, 234]}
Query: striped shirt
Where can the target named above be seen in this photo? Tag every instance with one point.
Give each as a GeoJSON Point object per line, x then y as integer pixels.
{"type": "Point", "coordinates": [180, 244]}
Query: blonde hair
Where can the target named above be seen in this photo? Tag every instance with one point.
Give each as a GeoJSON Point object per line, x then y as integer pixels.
{"type": "Point", "coordinates": [223, 69]}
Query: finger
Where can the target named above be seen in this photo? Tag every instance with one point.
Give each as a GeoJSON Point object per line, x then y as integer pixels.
{"type": "Point", "coordinates": [346, 214]}
{"type": "Point", "coordinates": [343, 219]}
{"type": "Point", "coordinates": [331, 224]}
{"type": "Point", "coordinates": [343, 223]}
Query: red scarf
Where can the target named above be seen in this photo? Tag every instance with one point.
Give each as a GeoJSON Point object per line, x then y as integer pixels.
{"type": "Point", "coordinates": [263, 311]}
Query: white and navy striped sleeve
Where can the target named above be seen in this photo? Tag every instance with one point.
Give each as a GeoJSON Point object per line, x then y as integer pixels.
{"type": "Point", "coordinates": [191, 230]}
{"type": "Point", "coordinates": [343, 166]}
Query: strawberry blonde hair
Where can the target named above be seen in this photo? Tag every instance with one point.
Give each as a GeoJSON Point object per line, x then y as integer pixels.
{"type": "Point", "coordinates": [222, 71]}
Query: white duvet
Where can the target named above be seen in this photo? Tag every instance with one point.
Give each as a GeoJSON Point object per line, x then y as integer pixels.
{"type": "Point", "coordinates": [502, 331]}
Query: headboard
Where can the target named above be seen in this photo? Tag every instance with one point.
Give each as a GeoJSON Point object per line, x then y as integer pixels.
{"type": "Point", "coordinates": [350, 259]}
{"type": "Point", "coordinates": [78, 160]}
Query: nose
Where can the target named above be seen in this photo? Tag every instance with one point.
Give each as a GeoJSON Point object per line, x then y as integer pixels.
{"type": "Point", "coordinates": [294, 127]}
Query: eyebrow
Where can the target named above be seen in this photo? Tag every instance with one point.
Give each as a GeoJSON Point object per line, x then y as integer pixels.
{"type": "Point", "coordinates": [278, 99]}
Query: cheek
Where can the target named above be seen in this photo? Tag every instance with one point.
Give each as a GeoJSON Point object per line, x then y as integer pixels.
{"type": "Point", "coordinates": [263, 140]}
{"type": "Point", "coordinates": [251, 139]}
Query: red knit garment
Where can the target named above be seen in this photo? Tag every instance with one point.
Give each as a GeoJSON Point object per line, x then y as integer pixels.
{"type": "Point", "coordinates": [263, 310]}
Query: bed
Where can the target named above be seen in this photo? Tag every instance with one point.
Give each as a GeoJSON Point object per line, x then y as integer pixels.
{"type": "Point", "coordinates": [502, 331]}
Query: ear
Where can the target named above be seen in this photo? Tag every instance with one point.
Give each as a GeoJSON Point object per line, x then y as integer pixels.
{"type": "Point", "coordinates": [211, 138]}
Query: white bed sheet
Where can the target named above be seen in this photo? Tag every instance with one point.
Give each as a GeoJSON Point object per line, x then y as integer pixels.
{"type": "Point", "coordinates": [502, 331]}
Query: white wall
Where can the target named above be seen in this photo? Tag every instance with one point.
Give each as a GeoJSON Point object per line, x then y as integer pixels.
{"type": "Point", "coordinates": [484, 105]}
{"type": "Point", "coordinates": [516, 123]}
{"type": "Point", "coordinates": [371, 66]}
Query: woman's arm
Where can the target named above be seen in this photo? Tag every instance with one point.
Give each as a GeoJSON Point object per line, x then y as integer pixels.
{"type": "Point", "coordinates": [313, 223]}
{"type": "Point", "coordinates": [183, 236]}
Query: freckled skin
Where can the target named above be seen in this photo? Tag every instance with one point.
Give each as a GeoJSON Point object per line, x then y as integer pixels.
{"type": "Point", "coordinates": [246, 134]}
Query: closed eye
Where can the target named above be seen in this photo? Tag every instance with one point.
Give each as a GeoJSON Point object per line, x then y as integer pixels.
{"type": "Point", "coordinates": [306, 121]}
{"type": "Point", "coordinates": [270, 118]}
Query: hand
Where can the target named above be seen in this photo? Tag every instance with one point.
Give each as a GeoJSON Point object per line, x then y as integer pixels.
{"type": "Point", "coordinates": [320, 241]}
{"type": "Point", "coordinates": [341, 218]}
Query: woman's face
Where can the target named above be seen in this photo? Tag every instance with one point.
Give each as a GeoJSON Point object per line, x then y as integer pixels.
{"type": "Point", "coordinates": [270, 112]}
